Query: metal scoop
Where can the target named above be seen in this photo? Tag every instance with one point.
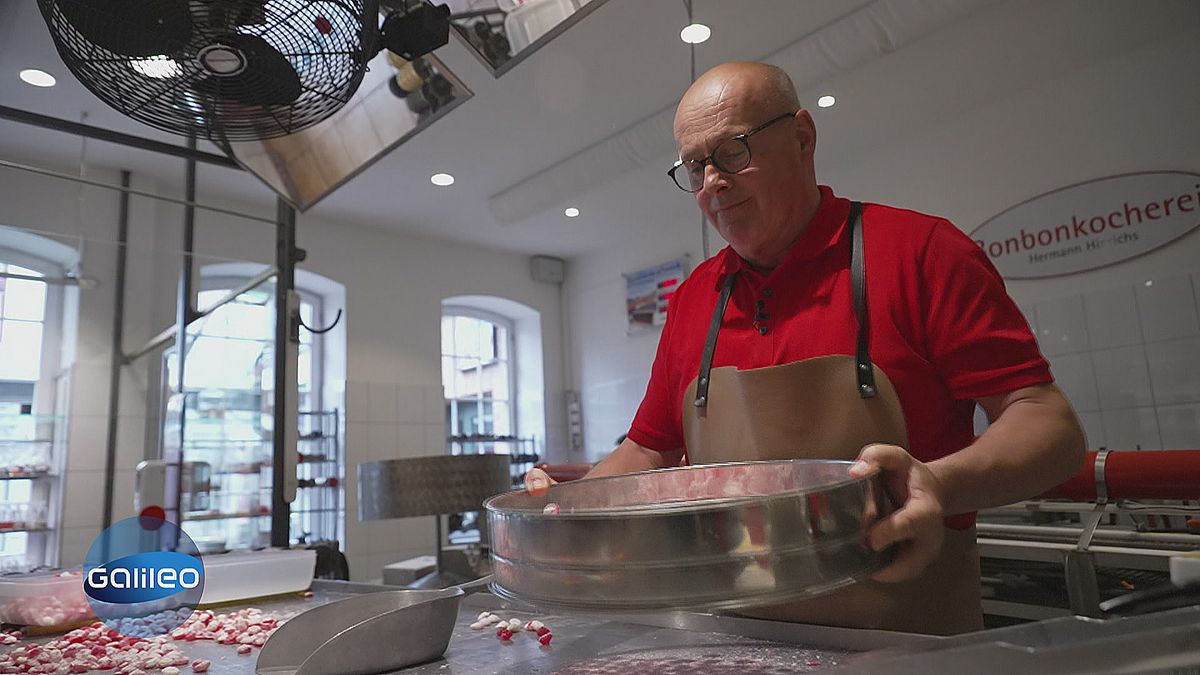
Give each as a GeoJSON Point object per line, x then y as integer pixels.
{"type": "Point", "coordinates": [361, 635]}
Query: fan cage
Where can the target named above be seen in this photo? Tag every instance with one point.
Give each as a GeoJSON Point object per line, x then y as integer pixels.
{"type": "Point", "coordinates": [326, 43]}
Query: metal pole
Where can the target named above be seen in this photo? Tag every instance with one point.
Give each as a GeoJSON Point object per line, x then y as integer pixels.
{"type": "Point", "coordinates": [88, 131]}
{"type": "Point", "coordinates": [78, 179]}
{"type": "Point", "coordinates": [183, 317]}
{"type": "Point", "coordinates": [168, 335]}
{"type": "Point", "coordinates": [117, 361]}
{"type": "Point", "coordinates": [287, 326]}
{"type": "Point", "coordinates": [1051, 533]}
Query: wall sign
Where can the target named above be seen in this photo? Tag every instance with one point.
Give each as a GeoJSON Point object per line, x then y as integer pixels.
{"type": "Point", "coordinates": [1093, 224]}
{"type": "Point", "coordinates": [647, 293]}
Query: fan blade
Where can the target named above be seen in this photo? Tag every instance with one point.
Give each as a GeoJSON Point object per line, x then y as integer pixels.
{"type": "Point", "coordinates": [131, 27]}
{"type": "Point", "coordinates": [268, 78]}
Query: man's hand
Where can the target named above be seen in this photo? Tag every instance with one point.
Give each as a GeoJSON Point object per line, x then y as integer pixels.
{"type": "Point", "coordinates": [917, 526]}
{"type": "Point", "coordinates": [537, 482]}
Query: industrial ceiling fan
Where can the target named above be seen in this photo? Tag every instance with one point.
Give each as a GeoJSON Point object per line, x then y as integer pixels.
{"type": "Point", "coordinates": [233, 70]}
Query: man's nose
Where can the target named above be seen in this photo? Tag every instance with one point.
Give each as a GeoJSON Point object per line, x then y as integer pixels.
{"type": "Point", "coordinates": [715, 180]}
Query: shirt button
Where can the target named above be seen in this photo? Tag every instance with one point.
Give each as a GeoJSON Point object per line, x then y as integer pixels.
{"type": "Point", "coordinates": [766, 292]}
{"type": "Point", "coordinates": [762, 330]}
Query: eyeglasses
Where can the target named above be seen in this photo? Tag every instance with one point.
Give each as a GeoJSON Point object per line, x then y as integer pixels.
{"type": "Point", "coordinates": [730, 156]}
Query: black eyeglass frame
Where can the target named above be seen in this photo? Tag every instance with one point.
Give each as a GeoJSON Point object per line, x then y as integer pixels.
{"type": "Point", "coordinates": [743, 138]}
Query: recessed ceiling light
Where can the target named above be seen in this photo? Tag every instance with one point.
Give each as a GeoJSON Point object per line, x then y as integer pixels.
{"type": "Point", "coordinates": [38, 78]}
{"type": "Point", "coordinates": [159, 67]}
{"type": "Point", "coordinates": [826, 101]}
{"type": "Point", "coordinates": [571, 212]}
{"type": "Point", "coordinates": [695, 33]}
{"type": "Point", "coordinates": [441, 179]}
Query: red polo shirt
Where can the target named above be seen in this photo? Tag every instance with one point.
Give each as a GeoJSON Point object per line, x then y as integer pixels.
{"type": "Point", "coordinates": [943, 327]}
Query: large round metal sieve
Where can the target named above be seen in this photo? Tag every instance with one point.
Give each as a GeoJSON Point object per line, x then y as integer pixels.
{"type": "Point", "coordinates": [708, 536]}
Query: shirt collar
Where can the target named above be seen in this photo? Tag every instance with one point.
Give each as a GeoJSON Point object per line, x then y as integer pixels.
{"type": "Point", "coordinates": [826, 230]}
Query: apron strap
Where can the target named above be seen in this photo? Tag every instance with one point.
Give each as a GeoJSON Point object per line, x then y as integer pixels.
{"type": "Point", "coordinates": [858, 286]}
{"type": "Point", "coordinates": [864, 371]}
{"type": "Point", "coordinates": [710, 342]}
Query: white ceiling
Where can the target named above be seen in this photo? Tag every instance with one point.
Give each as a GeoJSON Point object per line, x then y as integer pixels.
{"type": "Point", "coordinates": [579, 122]}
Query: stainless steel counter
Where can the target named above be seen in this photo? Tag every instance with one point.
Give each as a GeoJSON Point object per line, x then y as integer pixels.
{"type": "Point", "coordinates": [700, 643]}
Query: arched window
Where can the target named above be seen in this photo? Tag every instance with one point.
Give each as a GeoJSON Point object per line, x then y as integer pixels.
{"type": "Point", "coordinates": [478, 374]}
{"type": "Point", "coordinates": [32, 438]}
{"type": "Point", "coordinates": [228, 385]}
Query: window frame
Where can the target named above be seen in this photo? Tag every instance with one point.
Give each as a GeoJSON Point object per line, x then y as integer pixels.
{"type": "Point", "coordinates": [510, 329]}
{"type": "Point", "coordinates": [52, 323]}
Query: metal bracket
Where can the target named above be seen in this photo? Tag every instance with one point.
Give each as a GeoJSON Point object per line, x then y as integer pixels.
{"type": "Point", "coordinates": [1079, 566]}
{"type": "Point", "coordinates": [1092, 520]}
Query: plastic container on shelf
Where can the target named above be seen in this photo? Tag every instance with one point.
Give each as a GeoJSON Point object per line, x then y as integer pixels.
{"type": "Point", "coordinates": [532, 19]}
{"type": "Point", "coordinates": [251, 574]}
{"type": "Point", "coordinates": [44, 599]}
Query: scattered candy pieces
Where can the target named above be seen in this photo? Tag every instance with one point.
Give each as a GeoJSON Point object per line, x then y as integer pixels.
{"type": "Point", "coordinates": [551, 509]}
{"type": "Point", "coordinates": [545, 638]}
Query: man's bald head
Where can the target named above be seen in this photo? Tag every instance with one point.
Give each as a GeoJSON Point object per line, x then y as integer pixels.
{"type": "Point", "coordinates": [762, 205]}
{"type": "Point", "coordinates": [761, 87]}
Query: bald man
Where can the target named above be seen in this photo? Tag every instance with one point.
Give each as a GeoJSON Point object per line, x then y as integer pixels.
{"type": "Point", "coordinates": [845, 331]}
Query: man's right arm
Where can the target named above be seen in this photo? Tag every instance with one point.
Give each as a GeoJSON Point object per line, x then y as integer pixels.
{"type": "Point", "coordinates": [628, 457]}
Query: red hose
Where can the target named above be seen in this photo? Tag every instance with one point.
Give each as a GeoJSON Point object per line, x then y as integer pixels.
{"type": "Point", "coordinates": [1137, 474]}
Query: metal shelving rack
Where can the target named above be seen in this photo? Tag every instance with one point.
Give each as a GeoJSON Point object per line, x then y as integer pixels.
{"type": "Point", "coordinates": [319, 512]}
{"type": "Point", "coordinates": [29, 489]}
{"type": "Point", "coordinates": [227, 482]}
{"type": "Point", "coordinates": [464, 527]}
{"type": "Point", "coordinates": [520, 450]}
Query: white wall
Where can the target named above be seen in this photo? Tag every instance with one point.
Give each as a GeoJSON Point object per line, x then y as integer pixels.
{"type": "Point", "coordinates": [394, 288]}
{"type": "Point", "coordinates": [944, 126]}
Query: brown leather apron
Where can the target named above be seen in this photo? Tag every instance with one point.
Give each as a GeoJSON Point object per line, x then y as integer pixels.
{"type": "Point", "coordinates": [829, 408]}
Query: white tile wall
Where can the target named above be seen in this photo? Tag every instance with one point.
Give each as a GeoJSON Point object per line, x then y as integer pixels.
{"type": "Point", "coordinates": [1112, 318]}
{"type": "Point", "coordinates": [1128, 359]}
{"type": "Point", "coordinates": [410, 404]}
{"type": "Point", "coordinates": [85, 505]}
{"type": "Point", "coordinates": [435, 405]}
{"type": "Point", "coordinates": [87, 442]}
{"type": "Point", "coordinates": [1077, 378]}
{"type": "Point", "coordinates": [1093, 427]}
{"type": "Point", "coordinates": [1131, 428]}
{"type": "Point", "coordinates": [1175, 370]}
{"type": "Point", "coordinates": [381, 441]}
{"type": "Point", "coordinates": [410, 441]}
{"type": "Point", "coordinates": [980, 421]}
{"type": "Point", "coordinates": [382, 403]}
{"type": "Point", "coordinates": [75, 544]}
{"type": "Point", "coordinates": [1062, 327]}
{"type": "Point", "coordinates": [1167, 309]}
{"type": "Point", "coordinates": [1123, 377]}
{"type": "Point", "coordinates": [1180, 426]}
{"type": "Point", "coordinates": [358, 398]}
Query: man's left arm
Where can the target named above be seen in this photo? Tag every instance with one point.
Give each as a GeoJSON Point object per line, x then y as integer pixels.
{"type": "Point", "coordinates": [1034, 442]}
